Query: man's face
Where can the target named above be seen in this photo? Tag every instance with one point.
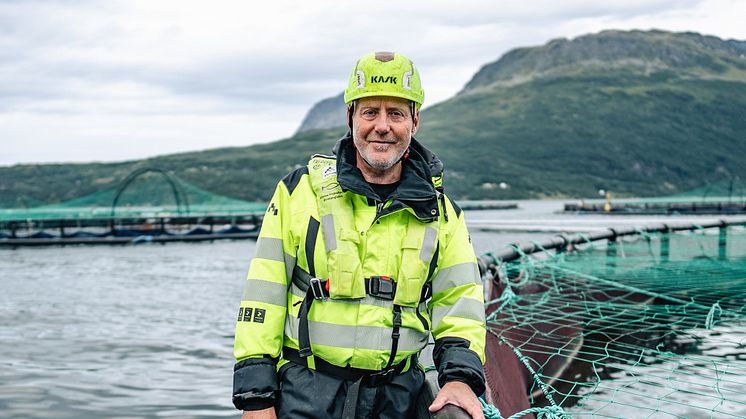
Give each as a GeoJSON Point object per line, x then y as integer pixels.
{"type": "Point", "coordinates": [382, 128]}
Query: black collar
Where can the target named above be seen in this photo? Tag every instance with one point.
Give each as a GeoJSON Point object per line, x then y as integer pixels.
{"type": "Point", "coordinates": [415, 190]}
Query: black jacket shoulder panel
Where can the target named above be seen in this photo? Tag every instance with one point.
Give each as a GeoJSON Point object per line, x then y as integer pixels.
{"type": "Point", "coordinates": [291, 179]}
{"type": "Point", "coordinates": [455, 207]}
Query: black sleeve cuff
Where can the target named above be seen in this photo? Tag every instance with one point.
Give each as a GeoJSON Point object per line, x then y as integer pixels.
{"type": "Point", "coordinates": [456, 362]}
{"type": "Point", "coordinates": [255, 384]}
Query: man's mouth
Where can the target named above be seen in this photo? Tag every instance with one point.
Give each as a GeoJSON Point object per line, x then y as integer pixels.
{"type": "Point", "coordinates": [382, 141]}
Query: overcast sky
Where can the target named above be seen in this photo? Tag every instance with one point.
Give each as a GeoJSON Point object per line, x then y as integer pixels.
{"type": "Point", "coordinates": [116, 80]}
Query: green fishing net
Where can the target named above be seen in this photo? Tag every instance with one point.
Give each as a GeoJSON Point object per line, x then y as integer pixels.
{"type": "Point", "coordinates": [648, 325]}
{"type": "Point", "coordinates": [148, 195]}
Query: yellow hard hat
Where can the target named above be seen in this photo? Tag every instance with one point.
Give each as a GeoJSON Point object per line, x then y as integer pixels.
{"type": "Point", "coordinates": [385, 74]}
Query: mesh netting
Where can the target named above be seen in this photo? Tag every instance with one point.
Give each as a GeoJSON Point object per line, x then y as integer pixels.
{"type": "Point", "coordinates": [648, 326]}
{"type": "Point", "coordinates": [731, 190]}
{"type": "Point", "coordinates": [148, 195]}
{"type": "Point", "coordinates": [734, 189]}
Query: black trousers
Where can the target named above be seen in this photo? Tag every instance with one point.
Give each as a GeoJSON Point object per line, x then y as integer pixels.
{"type": "Point", "coordinates": [305, 393]}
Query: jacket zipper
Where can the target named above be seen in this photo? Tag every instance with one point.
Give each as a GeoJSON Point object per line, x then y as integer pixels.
{"type": "Point", "coordinates": [422, 318]}
{"type": "Point", "coordinates": [379, 208]}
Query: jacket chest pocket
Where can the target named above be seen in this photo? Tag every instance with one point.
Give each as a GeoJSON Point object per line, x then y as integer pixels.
{"type": "Point", "coordinates": [417, 251]}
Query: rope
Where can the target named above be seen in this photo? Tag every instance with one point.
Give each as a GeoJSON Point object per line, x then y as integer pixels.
{"type": "Point", "coordinates": [711, 316]}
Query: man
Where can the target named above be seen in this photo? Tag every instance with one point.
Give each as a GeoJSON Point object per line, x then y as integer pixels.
{"type": "Point", "coordinates": [344, 313]}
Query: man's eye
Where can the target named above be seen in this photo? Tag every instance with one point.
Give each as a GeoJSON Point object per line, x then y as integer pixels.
{"type": "Point", "coordinates": [369, 113]}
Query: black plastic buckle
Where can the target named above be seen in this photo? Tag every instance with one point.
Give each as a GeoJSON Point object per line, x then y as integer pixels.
{"type": "Point", "coordinates": [381, 377]}
{"type": "Point", "coordinates": [317, 288]}
{"type": "Point", "coordinates": [381, 286]}
{"type": "Point", "coordinates": [397, 318]}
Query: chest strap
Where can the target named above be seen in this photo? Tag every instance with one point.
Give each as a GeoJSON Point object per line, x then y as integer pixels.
{"type": "Point", "coordinates": [382, 287]}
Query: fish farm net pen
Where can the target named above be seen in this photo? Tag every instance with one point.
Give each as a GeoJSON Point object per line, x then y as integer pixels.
{"type": "Point", "coordinates": [626, 323]}
{"type": "Point", "coordinates": [142, 194]}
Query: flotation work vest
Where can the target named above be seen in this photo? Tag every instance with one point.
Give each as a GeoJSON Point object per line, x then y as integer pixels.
{"type": "Point", "coordinates": [344, 267]}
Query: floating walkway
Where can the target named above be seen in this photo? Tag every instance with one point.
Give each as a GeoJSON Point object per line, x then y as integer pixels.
{"type": "Point", "coordinates": [659, 208]}
{"type": "Point", "coordinates": [723, 198]}
{"type": "Point", "coordinates": [487, 205]}
{"type": "Point", "coordinates": [122, 230]}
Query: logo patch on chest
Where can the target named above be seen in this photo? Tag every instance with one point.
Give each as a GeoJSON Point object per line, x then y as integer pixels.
{"type": "Point", "coordinates": [329, 171]}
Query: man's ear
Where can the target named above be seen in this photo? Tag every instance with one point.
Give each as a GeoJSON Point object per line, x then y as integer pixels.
{"type": "Point", "coordinates": [416, 121]}
{"type": "Point", "coordinates": [350, 111]}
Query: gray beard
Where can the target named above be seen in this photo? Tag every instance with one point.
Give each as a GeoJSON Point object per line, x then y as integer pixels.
{"type": "Point", "coordinates": [383, 165]}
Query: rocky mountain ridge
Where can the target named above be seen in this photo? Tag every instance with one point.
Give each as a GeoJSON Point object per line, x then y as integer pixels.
{"type": "Point", "coordinates": [634, 51]}
{"type": "Point", "coordinates": [327, 113]}
{"type": "Point", "coordinates": [637, 113]}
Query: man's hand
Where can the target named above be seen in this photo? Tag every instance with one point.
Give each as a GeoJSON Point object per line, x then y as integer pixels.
{"type": "Point", "coordinates": [268, 413]}
{"type": "Point", "coordinates": [458, 394]}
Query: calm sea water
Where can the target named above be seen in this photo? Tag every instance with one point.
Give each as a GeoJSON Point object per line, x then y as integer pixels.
{"type": "Point", "coordinates": [147, 331]}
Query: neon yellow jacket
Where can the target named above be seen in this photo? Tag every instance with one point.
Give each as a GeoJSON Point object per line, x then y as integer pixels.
{"type": "Point", "coordinates": [352, 328]}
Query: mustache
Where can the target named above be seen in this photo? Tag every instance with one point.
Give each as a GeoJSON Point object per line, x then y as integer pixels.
{"type": "Point", "coordinates": [373, 137]}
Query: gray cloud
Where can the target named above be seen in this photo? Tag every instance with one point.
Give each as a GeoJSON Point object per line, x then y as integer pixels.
{"type": "Point", "coordinates": [515, 13]}
{"type": "Point", "coordinates": [140, 59]}
{"type": "Point", "coordinates": [62, 51]}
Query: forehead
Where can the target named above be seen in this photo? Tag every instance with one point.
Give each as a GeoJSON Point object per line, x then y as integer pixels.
{"type": "Point", "coordinates": [382, 102]}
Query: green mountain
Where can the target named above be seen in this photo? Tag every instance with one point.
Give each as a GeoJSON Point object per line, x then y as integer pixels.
{"type": "Point", "coordinates": [637, 113]}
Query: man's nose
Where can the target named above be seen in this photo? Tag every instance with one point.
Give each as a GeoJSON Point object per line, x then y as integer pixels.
{"type": "Point", "coordinates": [382, 124]}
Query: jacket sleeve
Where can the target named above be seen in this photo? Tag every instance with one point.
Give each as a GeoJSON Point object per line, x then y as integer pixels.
{"type": "Point", "coordinates": [457, 308]}
{"type": "Point", "coordinates": [261, 315]}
